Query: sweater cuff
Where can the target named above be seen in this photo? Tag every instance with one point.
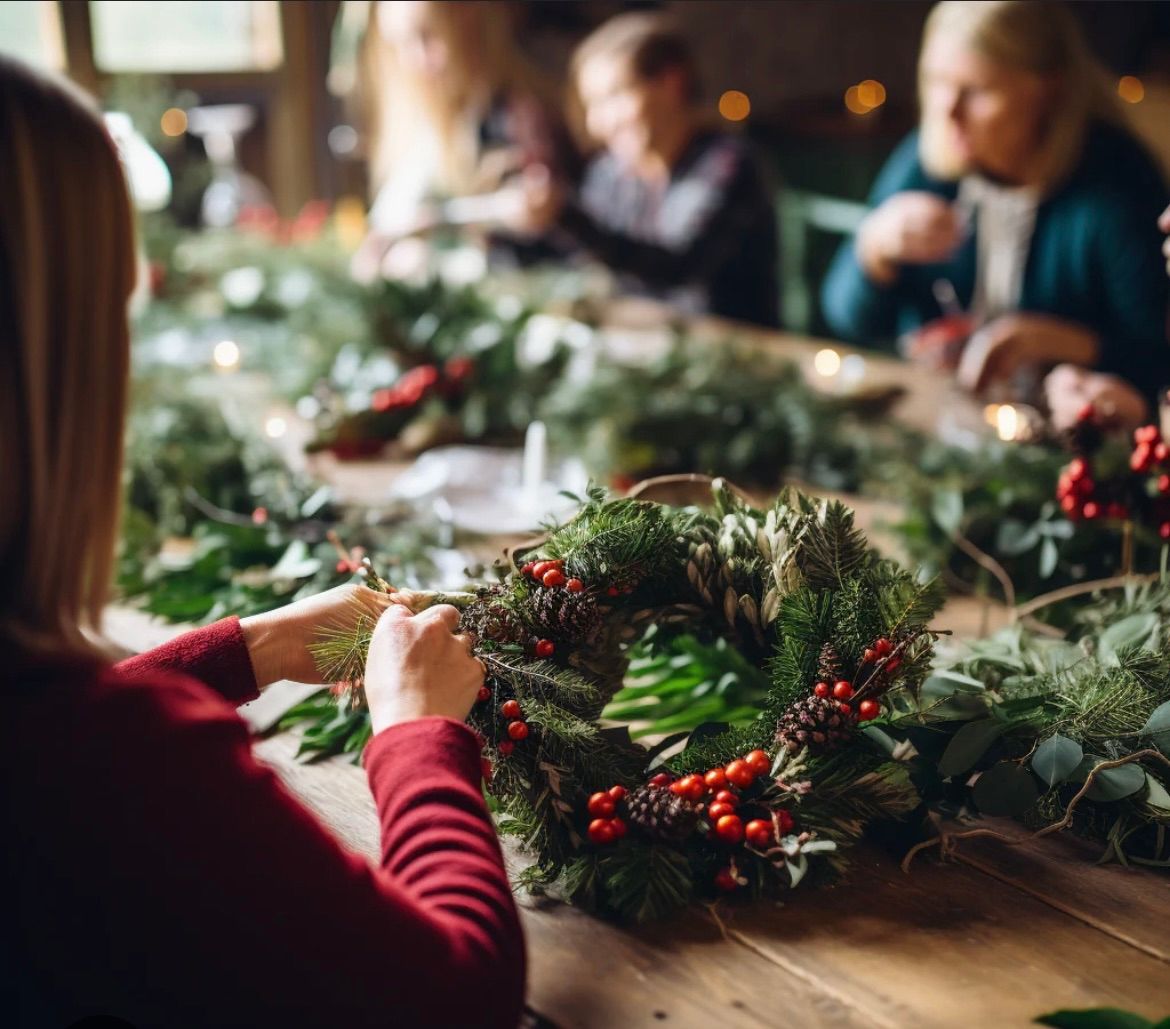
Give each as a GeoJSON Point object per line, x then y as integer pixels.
{"type": "Point", "coordinates": [410, 745]}
{"type": "Point", "coordinates": [216, 655]}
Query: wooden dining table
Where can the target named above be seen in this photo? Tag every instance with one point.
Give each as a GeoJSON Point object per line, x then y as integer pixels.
{"type": "Point", "coordinates": [994, 936]}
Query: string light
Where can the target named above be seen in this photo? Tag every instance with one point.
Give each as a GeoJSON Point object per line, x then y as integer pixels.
{"type": "Point", "coordinates": [226, 355]}
{"type": "Point", "coordinates": [173, 121]}
{"type": "Point", "coordinates": [865, 96]}
{"type": "Point", "coordinates": [734, 105]}
{"type": "Point", "coordinates": [1131, 89]}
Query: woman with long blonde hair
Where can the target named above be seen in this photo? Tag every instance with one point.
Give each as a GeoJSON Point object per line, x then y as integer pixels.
{"type": "Point", "coordinates": [154, 871]}
{"type": "Point", "coordinates": [452, 109]}
{"type": "Point", "coordinates": [1024, 198]}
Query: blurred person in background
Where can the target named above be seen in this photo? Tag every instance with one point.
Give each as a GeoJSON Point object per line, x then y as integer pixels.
{"type": "Point", "coordinates": [1024, 199]}
{"type": "Point", "coordinates": [454, 110]}
{"type": "Point", "coordinates": [680, 210]}
{"type": "Point", "coordinates": [155, 873]}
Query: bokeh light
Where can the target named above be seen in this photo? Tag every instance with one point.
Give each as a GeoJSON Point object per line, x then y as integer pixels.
{"type": "Point", "coordinates": [275, 426]}
{"type": "Point", "coordinates": [827, 362]}
{"type": "Point", "coordinates": [1007, 422]}
{"type": "Point", "coordinates": [853, 101]}
{"type": "Point", "coordinates": [226, 354]}
{"type": "Point", "coordinates": [1130, 89]}
{"type": "Point", "coordinates": [173, 121]}
{"type": "Point", "coordinates": [871, 93]}
{"type": "Point", "coordinates": [734, 105]}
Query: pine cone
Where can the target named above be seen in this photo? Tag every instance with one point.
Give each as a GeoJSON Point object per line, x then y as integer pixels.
{"type": "Point", "coordinates": [814, 722]}
{"type": "Point", "coordinates": [660, 814]}
{"type": "Point", "coordinates": [490, 619]}
{"type": "Point", "coordinates": [829, 664]}
{"type": "Point", "coordinates": [561, 615]}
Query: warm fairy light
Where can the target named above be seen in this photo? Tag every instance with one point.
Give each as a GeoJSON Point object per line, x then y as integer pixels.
{"type": "Point", "coordinates": [226, 355]}
{"type": "Point", "coordinates": [275, 426]}
{"type": "Point", "coordinates": [827, 362]}
{"type": "Point", "coordinates": [853, 101]}
{"type": "Point", "coordinates": [173, 122]}
{"type": "Point", "coordinates": [1007, 422]}
{"type": "Point", "coordinates": [734, 105]}
{"type": "Point", "coordinates": [1130, 89]}
{"type": "Point", "coordinates": [871, 93]}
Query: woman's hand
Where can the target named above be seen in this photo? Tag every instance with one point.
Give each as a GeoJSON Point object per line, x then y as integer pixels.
{"type": "Point", "coordinates": [1003, 346]}
{"type": "Point", "coordinates": [278, 641]}
{"type": "Point", "coordinates": [538, 201]}
{"type": "Point", "coordinates": [1164, 225]}
{"type": "Point", "coordinates": [418, 667]}
{"type": "Point", "coordinates": [913, 227]}
{"type": "Point", "coordinates": [1067, 389]}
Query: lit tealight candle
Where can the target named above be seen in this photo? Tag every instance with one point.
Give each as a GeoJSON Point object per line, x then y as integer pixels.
{"type": "Point", "coordinates": [226, 355]}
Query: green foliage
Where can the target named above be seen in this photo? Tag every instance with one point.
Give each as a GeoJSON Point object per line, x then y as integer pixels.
{"type": "Point", "coordinates": [1100, 1018]}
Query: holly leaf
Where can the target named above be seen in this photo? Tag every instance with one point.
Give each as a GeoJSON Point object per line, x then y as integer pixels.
{"type": "Point", "coordinates": [969, 744]}
{"type": "Point", "coordinates": [1056, 759]}
{"type": "Point", "coordinates": [1005, 789]}
{"type": "Point", "coordinates": [1157, 727]}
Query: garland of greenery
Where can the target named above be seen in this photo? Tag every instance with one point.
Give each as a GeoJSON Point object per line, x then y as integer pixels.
{"type": "Point", "coordinates": [836, 631]}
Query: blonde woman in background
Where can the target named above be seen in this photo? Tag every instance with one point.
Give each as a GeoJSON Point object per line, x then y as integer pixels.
{"type": "Point", "coordinates": [1023, 196]}
{"type": "Point", "coordinates": [153, 871]}
{"type": "Point", "coordinates": [453, 110]}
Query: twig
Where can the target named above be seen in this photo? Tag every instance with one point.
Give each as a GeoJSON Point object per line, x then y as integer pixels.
{"type": "Point", "coordinates": [1045, 599]}
{"type": "Point", "coordinates": [988, 562]}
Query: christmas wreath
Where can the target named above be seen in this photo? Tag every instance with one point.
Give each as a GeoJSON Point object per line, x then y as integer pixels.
{"type": "Point", "coordinates": [840, 633]}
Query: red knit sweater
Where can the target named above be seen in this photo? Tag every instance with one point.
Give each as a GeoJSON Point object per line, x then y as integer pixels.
{"type": "Point", "coordinates": [157, 872]}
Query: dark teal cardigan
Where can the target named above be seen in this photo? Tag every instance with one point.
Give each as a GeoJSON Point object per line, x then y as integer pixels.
{"type": "Point", "coordinates": [1095, 259]}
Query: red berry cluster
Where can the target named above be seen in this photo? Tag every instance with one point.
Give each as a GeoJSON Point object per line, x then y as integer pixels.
{"type": "Point", "coordinates": [515, 725]}
{"type": "Point", "coordinates": [1151, 457]}
{"type": "Point", "coordinates": [885, 661]}
{"type": "Point", "coordinates": [551, 574]}
{"type": "Point", "coordinates": [417, 384]}
{"type": "Point", "coordinates": [605, 826]}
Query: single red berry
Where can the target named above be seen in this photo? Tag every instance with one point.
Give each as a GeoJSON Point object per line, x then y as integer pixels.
{"type": "Point", "coordinates": [883, 646]}
{"type": "Point", "coordinates": [527, 569]}
{"type": "Point", "coordinates": [842, 690]}
{"type": "Point", "coordinates": [545, 648]}
{"type": "Point", "coordinates": [759, 833]}
{"type": "Point", "coordinates": [740, 773]}
{"type": "Point", "coordinates": [868, 709]}
{"type": "Point", "coordinates": [600, 831]}
{"type": "Point", "coordinates": [661, 779]}
{"type": "Point", "coordinates": [822, 689]}
{"type": "Point", "coordinates": [1077, 468]}
{"type": "Point", "coordinates": [539, 568]}
{"type": "Point", "coordinates": [1068, 505]}
{"type": "Point", "coordinates": [892, 664]}
{"type": "Point", "coordinates": [716, 811]}
{"type": "Point", "coordinates": [343, 566]}
{"type": "Point", "coordinates": [612, 591]}
{"type": "Point", "coordinates": [553, 577]}
{"type": "Point", "coordinates": [845, 709]}
{"type": "Point", "coordinates": [574, 585]}
{"type": "Point", "coordinates": [618, 827]}
{"type": "Point", "coordinates": [727, 797]}
{"type": "Point", "coordinates": [510, 709]}
{"type": "Point", "coordinates": [715, 779]}
{"type": "Point", "coordinates": [681, 787]}
{"type": "Point", "coordinates": [869, 656]}
{"type": "Point", "coordinates": [601, 805]}
{"type": "Point", "coordinates": [729, 828]}
{"type": "Point", "coordinates": [1146, 434]}
{"type": "Point", "coordinates": [1161, 452]}
{"type": "Point", "coordinates": [759, 762]}
{"type": "Point", "coordinates": [617, 792]}
{"type": "Point", "coordinates": [1164, 483]}
{"type": "Point", "coordinates": [725, 882]}
{"type": "Point", "coordinates": [1164, 530]}
{"type": "Point", "coordinates": [518, 730]}
{"type": "Point", "coordinates": [1141, 457]}
{"type": "Point", "coordinates": [784, 817]}
{"type": "Point", "coordinates": [506, 747]}
{"type": "Point", "coordinates": [484, 694]}
{"type": "Point", "coordinates": [1091, 509]}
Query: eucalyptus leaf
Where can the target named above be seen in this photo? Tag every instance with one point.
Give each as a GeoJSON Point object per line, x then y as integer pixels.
{"type": "Point", "coordinates": [969, 744]}
{"type": "Point", "coordinates": [1117, 783]}
{"type": "Point", "coordinates": [947, 509]}
{"type": "Point", "coordinates": [1157, 727]}
{"type": "Point", "coordinates": [1057, 758]}
{"type": "Point", "coordinates": [1157, 797]}
{"type": "Point", "coordinates": [1129, 634]}
{"type": "Point", "coordinates": [1005, 789]}
{"type": "Point", "coordinates": [1049, 555]}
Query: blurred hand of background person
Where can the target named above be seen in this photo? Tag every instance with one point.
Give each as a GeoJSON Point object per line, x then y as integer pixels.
{"type": "Point", "coordinates": [1012, 341]}
{"type": "Point", "coordinates": [1067, 389]}
{"type": "Point", "coordinates": [913, 227]}
{"type": "Point", "coordinates": [278, 641]}
{"type": "Point", "coordinates": [417, 667]}
{"type": "Point", "coordinates": [539, 200]}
